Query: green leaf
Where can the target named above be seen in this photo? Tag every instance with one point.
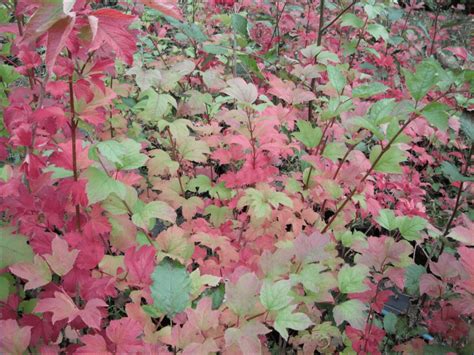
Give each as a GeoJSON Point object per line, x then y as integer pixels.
{"type": "Point", "coordinates": [467, 126]}
{"type": "Point", "coordinates": [275, 296]}
{"type": "Point", "coordinates": [410, 227]}
{"type": "Point", "coordinates": [381, 111]}
{"type": "Point", "coordinates": [14, 248]}
{"type": "Point", "coordinates": [351, 20]}
{"type": "Point", "coordinates": [425, 77]}
{"type": "Point", "coordinates": [390, 160]}
{"type": "Point", "coordinates": [351, 279]}
{"type": "Point", "coordinates": [389, 322]}
{"type": "Point", "coordinates": [194, 150]}
{"type": "Point", "coordinates": [286, 319]}
{"type": "Point", "coordinates": [125, 154]}
{"type": "Point", "coordinates": [335, 151]}
{"type": "Point", "coordinates": [200, 183]}
{"type": "Point", "coordinates": [171, 287]}
{"type": "Point", "coordinates": [239, 24]}
{"type": "Point", "coordinates": [352, 311]}
{"type": "Point", "coordinates": [367, 90]}
{"type": "Point", "coordinates": [155, 209]}
{"type": "Point", "coordinates": [413, 273]}
{"type": "Point", "coordinates": [453, 174]}
{"type": "Point", "coordinates": [387, 219]}
{"type": "Point", "coordinates": [336, 78]}
{"type": "Point", "coordinates": [218, 215]}
{"type": "Point", "coordinates": [100, 186]}
{"type": "Point", "coordinates": [308, 135]}
{"type": "Point", "coordinates": [436, 114]}
{"type": "Point", "coordinates": [378, 31]}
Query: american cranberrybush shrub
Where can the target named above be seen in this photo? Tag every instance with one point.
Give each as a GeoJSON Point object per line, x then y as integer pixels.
{"type": "Point", "coordinates": [236, 177]}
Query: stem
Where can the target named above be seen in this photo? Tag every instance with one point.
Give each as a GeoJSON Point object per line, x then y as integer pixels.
{"type": "Point", "coordinates": [347, 8]}
{"type": "Point", "coordinates": [351, 148]}
{"type": "Point", "coordinates": [458, 196]}
{"type": "Point", "coordinates": [435, 25]}
{"type": "Point", "coordinates": [372, 167]}
{"type": "Point", "coordinates": [321, 22]}
{"type": "Point", "coordinates": [73, 125]}
{"type": "Point", "coordinates": [174, 152]}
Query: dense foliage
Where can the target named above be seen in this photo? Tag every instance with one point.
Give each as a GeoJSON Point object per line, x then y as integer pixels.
{"type": "Point", "coordinates": [236, 177]}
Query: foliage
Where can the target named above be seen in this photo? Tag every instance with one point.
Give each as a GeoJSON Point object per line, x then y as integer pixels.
{"type": "Point", "coordinates": [228, 176]}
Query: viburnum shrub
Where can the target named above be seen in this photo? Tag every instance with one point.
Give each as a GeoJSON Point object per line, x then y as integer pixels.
{"type": "Point", "coordinates": [236, 177]}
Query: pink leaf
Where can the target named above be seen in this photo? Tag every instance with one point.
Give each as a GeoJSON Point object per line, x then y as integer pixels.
{"type": "Point", "coordinates": [62, 307]}
{"type": "Point", "coordinates": [91, 314]}
{"type": "Point", "coordinates": [37, 273]}
{"type": "Point", "coordinates": [13, 339]}
{"type": "Point", "coordinates": [124, 334]}
{"type": "Point", "coordinates": [61, 260]}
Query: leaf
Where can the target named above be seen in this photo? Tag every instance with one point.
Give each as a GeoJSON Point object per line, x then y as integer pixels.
{"type": "Point", "coordinates": [352, 311]}
{"type": "Point", "coordinates": [389, 323]}
{"type": "Point", "coordinates": [351, 20]}
{"type": "Point", "coordinates": [218, 214]}
{"type": "Point", "coordinates": [387, 219]}
{"type": "Point", "coordinates": [241, 91]}
{"type": "Point", "coordinates": [246, 337]}
{"type": "Point", "coordinates": [125, 154]}
{"type": "Point", "coordinates": [14, 248]}
{"type": "Point", "coordinates": [61, 306]}
{"type": "Point", "coordinates": [367, 90]}
{"type": "Point", "coordinates": [410, 227]}
{"type": "Point", "coordinates": [109, 30]}
{"type": "Point", "coordinates": [166, 7]}
{"type": "Point", "coordinates": [285, 319]}
{"type": "Point", "coordinates": [412, 278]}
{"type": "Point", "coordinates": [100, 186]}
{"type": "Point", "coordinates": [194, 150]}
{"type": "Point", "coordinates": [275, 296]}
{"type": "Point", "coordinates": [239, 24]}
{"type": "Point", "coordinates": [37, 273]}
{"type": "Point", "coordinates": [242, 295]}
{"type": "Point", "coordinates": [46, 16]}
{"type": "Point", "coordinates": [351, 279]}
{"type": "Point", "coordinates": [425, 77]}
{"type": "Point", "coordinates": [452, 173]}
{"type": "Point", "coordinates": [437, 114]}
{"type": "Point", "coordinates": [171, 287]}
{"type": "Point", "coordinates": [61, 260]}
{"type": "Point", "coordinates": [336, 78]}
{"type": "Point", "coordinates": [308, 135]}
{"type": "Point", "coordinates": [14, 340]}
{"type": "Point", "coordinates": [57, 36]}
{"type": "Point", "coordinates": [378, 31]}
{"type": "Point", "coordinates": [390, 160]}
{"type": "Point", "coordinates": [155, 209]}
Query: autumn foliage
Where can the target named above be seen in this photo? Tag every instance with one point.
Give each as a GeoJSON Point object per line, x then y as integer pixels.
{"type": "Point", "coordinates": [236, 177]}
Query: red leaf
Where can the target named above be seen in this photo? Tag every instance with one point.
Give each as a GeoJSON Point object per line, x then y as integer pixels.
{"type": "Point", "coordinates": [140, 263]}
{"type": "Point", "coordinates": [57, 35]}
{"type": "Point", "coordinates": [167, 7]}
{"type": "Point", "coordinates": [112, 34]}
